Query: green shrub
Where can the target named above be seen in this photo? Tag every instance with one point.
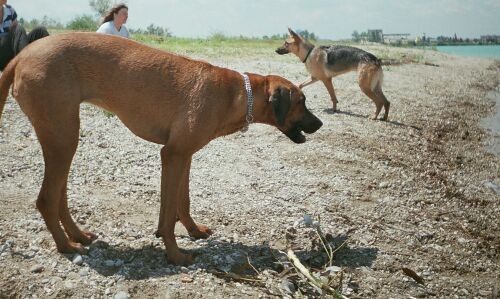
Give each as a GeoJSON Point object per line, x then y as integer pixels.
{"type": "Point", "coordinates": [83, 22]}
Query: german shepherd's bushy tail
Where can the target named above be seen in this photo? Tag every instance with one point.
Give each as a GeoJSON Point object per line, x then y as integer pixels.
{"type": "Point", "coordinates": [6, 80]}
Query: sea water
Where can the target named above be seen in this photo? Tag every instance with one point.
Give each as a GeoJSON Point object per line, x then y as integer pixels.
{"type": "Point", "coordinates": [487, 51]}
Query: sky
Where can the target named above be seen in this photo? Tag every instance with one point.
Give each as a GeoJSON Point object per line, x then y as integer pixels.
{"type": "Point", "coordinates": [328, 19]}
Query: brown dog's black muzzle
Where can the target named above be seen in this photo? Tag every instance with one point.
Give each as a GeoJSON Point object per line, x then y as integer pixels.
{"type": "Point", "coordinates": [282, 50]}
{"type": "Point", "coordinates": [310, 123]}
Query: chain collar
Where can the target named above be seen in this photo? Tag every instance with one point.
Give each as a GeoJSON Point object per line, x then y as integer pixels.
{"type": "Point", "coordinates": [249, 117]}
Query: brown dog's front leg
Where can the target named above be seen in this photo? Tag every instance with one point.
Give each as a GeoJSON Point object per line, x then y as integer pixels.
{"type": "Point", "coordinates": [173, 169]}
{"type": "Point", "coordinates": [307, 82]}
{"type": "Point", "coordinates": [197, 231]}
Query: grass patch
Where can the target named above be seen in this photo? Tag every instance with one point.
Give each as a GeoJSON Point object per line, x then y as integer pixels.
{"type": "Point", "coordinates": [214, 47]}
{"type": "Point", "coordinates": [220, 46]}
{"type": "Point", "coordinates": [402, 57]}
{"type": "Point", "coordinates": [108, 114]}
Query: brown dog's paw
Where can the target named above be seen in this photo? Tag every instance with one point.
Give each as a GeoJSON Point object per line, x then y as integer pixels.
{"type": "Point", "coordinates": [72, 247]}
{"type": "Point", "coordinates": [179, 258]}
{"type": "Point", "coordinates": [85, 237]}
{"type": "Point", "coordinates": [201, 232]}
{"type": "Point", "coordinates": [90, 237]}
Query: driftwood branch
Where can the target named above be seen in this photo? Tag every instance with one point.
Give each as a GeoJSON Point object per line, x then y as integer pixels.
{"type": "Point", "coordinates": [316, 283]}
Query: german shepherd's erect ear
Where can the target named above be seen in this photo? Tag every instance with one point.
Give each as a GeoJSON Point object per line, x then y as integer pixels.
{"type": "Point", "coordinates": [294, 35]}
{"type": "Point", "coordinates": [281, 104]}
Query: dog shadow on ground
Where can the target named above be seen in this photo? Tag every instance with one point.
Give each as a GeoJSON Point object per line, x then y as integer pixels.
{"type": "Point", "coordinates": [392, 122]}
{"type": "Point", "coordinates": [219, 257]}
{"type": "Point", "coordinates": [352, 257]}
{"type": "Point", "coordinates": [396, 123]}
{"type": "Point", "coordinates": [348, 113]}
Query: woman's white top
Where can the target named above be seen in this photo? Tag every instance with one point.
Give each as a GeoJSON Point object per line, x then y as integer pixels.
{"type": "Point", "coordinates": [110, 28]}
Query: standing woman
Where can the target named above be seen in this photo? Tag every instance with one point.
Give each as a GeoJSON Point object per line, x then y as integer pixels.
{"type": "Point", "coordinates": [13, 37]}
{"type": "Point", "coordinates": [113, 21]}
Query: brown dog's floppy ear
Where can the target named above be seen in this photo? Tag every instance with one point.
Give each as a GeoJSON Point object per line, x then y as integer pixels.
{"type": "Point", "coordinates": [281, 104]}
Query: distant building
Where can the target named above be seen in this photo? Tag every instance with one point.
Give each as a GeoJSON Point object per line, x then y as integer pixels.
{"type": "Point", "coordinates": [427, 40]}
{"type": "Point", "coordinates": [490, 39]}
{"type": "Point", "coordinates": [375, 35]}
{"type": "Point", "coordinates": [396, 38]}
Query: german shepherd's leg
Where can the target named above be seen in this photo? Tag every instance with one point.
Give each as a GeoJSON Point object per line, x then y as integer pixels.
{"type": "Point", "coordinates": [369, 77]}
{"type": "Point", "coordinates": [173, 169]}
{"type": "Point", "coordinates": [329, 86]}
{"type": "Point", "coordinates": [197, 231]}
{"type": "Point", "coordinates": [74, 233]}
{"type": "Point", "coordinates": [387, 104]}
{"type": "Point", "coordinates": [307, 82]}
{"type": "Point", "coordinates": [59, 144]}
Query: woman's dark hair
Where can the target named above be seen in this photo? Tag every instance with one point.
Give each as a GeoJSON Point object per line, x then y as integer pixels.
{"type": "Point", "coordinates": [111, 14]}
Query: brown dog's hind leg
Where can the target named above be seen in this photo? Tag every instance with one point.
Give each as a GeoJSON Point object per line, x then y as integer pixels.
{"type": "Point", "coordinates": [173, 169]}
{"type": "Point", "coordinates": [197, 231]}
{"type": "Point", "coordinates": [57, 132]}
{"type": "Point", "coordinates": [329, 86]}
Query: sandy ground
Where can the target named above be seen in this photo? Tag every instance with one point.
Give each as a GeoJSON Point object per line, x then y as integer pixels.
{"type": "Point", "coordinates": [418, 192]}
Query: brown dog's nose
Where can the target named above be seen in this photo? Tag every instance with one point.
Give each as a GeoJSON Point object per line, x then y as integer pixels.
{"type": "Point", "coordinates": [311, 123]}
{"type": "Point", "coordinates": [318, 125]}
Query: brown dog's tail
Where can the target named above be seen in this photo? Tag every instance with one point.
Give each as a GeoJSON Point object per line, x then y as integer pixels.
{"type": "Point", "coordinates": [6, 80]}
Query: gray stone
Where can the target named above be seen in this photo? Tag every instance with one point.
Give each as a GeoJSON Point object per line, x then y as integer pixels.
{"type": "Point", "coordinates": [308, 221]}
{"type": "Point", "coordinates": [37, 269]}
{"type": "Point", "coordinates": [383, 185]}
{"type": "Point", "coordinates": [109, 263]}
{"type": "Point", "coordinates": [121, 295]}
{"type": "Point", "coordinates": [78, 260]}
{"type": "Point", "coordinates": [287, 286]}
{"type": "Point", "coordinates": [84, 272]}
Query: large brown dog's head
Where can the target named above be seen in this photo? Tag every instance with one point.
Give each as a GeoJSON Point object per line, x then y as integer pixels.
{"type": "Point", "coordinates": [290, 114]}
{"type": "Point", "coordinates": [291, 44]}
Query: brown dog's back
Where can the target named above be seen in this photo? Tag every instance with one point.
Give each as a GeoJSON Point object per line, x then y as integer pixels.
{"type": "Point", "coordinates": [114, 73]}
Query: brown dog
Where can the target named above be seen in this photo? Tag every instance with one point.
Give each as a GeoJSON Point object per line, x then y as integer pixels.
{"type": "Point", "coordinates": [161, 97]}
{"type": "Point", "coordinates": [326, 62]}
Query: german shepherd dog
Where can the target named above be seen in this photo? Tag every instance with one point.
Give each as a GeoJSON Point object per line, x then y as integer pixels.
{"type": "Point", "coordinates": [326, 62]}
